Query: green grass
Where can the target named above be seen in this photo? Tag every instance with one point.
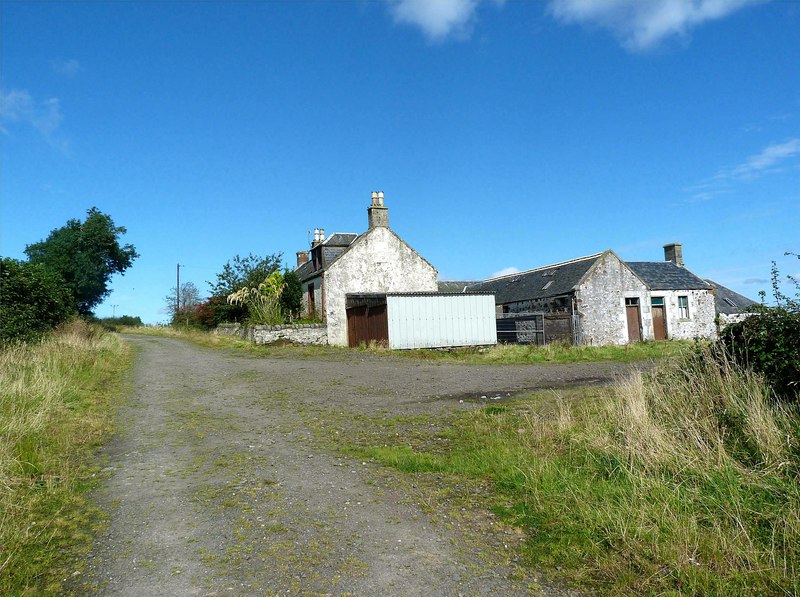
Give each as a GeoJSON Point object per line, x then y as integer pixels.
{"type": "Point", "coordinates": [56, 399]}
{"type": "Point", "coordinates": [520, 354]}
{"type": "Point", "coordinates": [683, 482]}
{"type": "Point", "coordinates": [501, 354]}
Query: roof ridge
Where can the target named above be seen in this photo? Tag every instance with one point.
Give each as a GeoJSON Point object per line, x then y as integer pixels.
{"type": "Point", "coordinates": [536, 269]}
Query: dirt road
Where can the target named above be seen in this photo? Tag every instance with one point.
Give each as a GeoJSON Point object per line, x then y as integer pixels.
{"type": "Point", "coordinates": [216, 487]}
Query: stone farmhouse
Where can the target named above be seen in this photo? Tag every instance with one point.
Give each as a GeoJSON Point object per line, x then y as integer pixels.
{"type": "Point", "coordinates": [597, 299]}
{"type": "Point", "coordinates": [377, 261]}
{"type": "Point", "coordinates": [600, 299]}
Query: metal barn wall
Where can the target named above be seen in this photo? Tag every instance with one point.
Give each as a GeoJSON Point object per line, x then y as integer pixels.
{"type": "Point", "coordinates": [441, 320]}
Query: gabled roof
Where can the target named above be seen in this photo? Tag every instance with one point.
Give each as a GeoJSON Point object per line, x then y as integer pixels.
{"type": "Point", "coordinates": [665, 275]}
{"type": "Point", "coordinates": [729, 302]}
{"type": "Point", "coordinates": [330, 250]}
{"type": "Point", "coordinates": [552, 280]}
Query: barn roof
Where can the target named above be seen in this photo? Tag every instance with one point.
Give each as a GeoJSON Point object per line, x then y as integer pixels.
{"type": "Point", "coordinates": [729, 302]}
{"type": "Point", "coordinates": [665, 275]}
{"type": "Point", "coordinates": [543, 282]}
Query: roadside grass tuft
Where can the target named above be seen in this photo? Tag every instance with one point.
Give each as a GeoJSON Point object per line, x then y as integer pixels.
{"type": "Point", "coordinates": [681, 481]}
{"type": "Point", "coordinates": [55, 409]}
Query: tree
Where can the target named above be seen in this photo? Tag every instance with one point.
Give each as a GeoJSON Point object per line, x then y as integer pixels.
{"type": "Point", "coordinates": [249, 271]}
{"type": "Point", "coordinates": [238, 273]}
{"type": "Point", "coordinates": [189, 300]}
{"type": "Point", "coordinates": [292, 297]}
{"type": "Point", "coordinates": [33, 300]}
{"type": "Point", "coordinates": [85, 254]}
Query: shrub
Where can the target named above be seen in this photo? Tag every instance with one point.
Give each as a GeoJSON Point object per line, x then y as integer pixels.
{"type": "Point", "coordinates": [33, 300]}
{"type": "Point", "coordinates": [768, 341]}
{"type": "Point", "coordinates": [263, 302]}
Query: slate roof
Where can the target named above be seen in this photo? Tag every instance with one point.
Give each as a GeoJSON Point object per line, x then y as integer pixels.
{"type": "Point", "coordinates": [450, 286]}
{"type": "Point", "coordinates": [725, 296]}
{"type": "Point", "coordinates": [665, 275]}
{"type": "Point", "coordinates": [331, 249]}
{"type": "Point", "coordinates": [544, 282]}
{"type": "Point", "coordinates": [340, 239]}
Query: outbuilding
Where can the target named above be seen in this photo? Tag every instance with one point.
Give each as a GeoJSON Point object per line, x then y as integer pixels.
{"type": "Point", "coordinates": [421, 319]}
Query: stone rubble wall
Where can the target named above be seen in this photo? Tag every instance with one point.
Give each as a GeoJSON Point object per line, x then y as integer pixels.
{"type": "Point", "coordinates": [306, 333]}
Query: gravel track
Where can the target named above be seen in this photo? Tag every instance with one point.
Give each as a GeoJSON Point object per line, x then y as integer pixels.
{"type": "Point", "coordinates": [215, 485]}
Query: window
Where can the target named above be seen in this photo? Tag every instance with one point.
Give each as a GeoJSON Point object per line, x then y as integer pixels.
{"type": "Point", "coordinates": [683, 307]}
{"type": "Point", "coordinates": [631, 302]}
{"type": "Point", "coordinates": [729, 301]}
{"type": "Point", "coordinates": [657, 301]}
{"type": "Point", "coordinates": [548, 285]}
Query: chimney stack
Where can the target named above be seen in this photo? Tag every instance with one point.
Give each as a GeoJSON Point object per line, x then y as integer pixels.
{"type": "Point", "coordinates": [377, 212]}
{"type": "Point", "coordinates": [302, 257]}
{"type": "Point", "coordinates": [674, 252]}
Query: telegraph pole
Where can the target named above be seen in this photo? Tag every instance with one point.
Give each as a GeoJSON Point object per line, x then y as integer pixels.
{"type": "Point", "coordinates": [178, 293]}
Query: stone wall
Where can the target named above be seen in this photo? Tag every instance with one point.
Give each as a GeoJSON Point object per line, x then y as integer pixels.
{"type": "Point", "coordinates": [702, 312]}
{"type": "Point", "coordinates": [311, 333]}
{"type": "Point", "coordinates": [601, 302]}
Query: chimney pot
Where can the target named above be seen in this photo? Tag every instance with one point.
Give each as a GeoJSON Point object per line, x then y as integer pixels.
{"type": "Point", "coordinates": [321, 234]}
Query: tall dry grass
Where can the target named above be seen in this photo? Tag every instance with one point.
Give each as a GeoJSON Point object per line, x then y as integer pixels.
{"type": "Point", "coordinates": [54, 409]}
{"type": "Point", "coordinates": [683, 481]}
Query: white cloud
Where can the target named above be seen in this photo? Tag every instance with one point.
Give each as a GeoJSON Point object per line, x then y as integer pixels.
{"type": "Point", "coordinates": [643, 24]}
{"type": "Point", "coordinates": [766, 159]}
{"type": "Point", "coordinates": [17, 106]}
{"type": "Point", "coordinates": [764, 162]}
{"type": "Point", "coordinates": [438, 19]}
{"type": "Point", "coordinates": [506, 271]}
{"type": "Point", "coordinates": [68, 68]}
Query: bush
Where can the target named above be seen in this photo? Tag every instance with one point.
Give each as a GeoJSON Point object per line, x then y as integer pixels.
{"type": "Point", "coordinates": [768, 342]}
{"type": "Point", "coordinates": [33, 300]}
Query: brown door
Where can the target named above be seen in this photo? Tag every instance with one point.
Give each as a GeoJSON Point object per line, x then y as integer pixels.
{"type": "Point", "coordinates": [367, 324]}
{"type": "Point", "coordinates": [634, 319]}
{"type": "Point", "coordinates": [312, 308]}
{"type": "Point", "coordinates": [659, 322]}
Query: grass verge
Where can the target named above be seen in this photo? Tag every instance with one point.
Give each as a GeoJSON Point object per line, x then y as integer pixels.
{"type": "Point", "coordinates": [679, 482]}
{"type": "Point", "coordinates": [56, 399]}
{"type": "Point", "coordinates": [501, 354]}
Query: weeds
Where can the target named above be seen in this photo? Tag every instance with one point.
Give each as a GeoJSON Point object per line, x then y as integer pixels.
{"type": "Point", "coordinates": [54, 410]}
{"type": "Point", "coordinates": [683, 481]}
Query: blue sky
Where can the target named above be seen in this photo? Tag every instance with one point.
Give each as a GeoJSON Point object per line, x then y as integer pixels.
{"type": "Point", "coordinates": [504, 134]}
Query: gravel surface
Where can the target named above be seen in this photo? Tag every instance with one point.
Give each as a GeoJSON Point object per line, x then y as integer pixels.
{"type": "Point", "coordinates": [215, 485]}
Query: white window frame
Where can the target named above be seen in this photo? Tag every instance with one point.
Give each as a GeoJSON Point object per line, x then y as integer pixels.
{"type": "Point", "coordinates": [683, 306]}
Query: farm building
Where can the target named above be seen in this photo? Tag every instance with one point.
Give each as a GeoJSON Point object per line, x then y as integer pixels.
{"type": "Point", "coordinates": [368, 281]}
{"type": "Point", "coordinates": [600, 299]}
{"type": "Point", "coordinates": [421, 319]}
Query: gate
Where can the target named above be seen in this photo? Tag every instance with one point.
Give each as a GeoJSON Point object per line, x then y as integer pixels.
{"type": "Point", "coordinates": [520, 328]}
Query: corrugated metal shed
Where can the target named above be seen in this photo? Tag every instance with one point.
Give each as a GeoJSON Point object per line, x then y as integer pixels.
{"type": "Point", "coordinates": [422, 319]}
{"type": "Point", "coordinates": [438, 320]}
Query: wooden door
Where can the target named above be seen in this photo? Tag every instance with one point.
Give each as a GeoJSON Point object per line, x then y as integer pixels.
{"type": "Point", "coordinates": [367, 324]}
{"type": "Point", "coordinates": [659, 322]}
{"type": "Point", "coordinates": [634, 318]}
